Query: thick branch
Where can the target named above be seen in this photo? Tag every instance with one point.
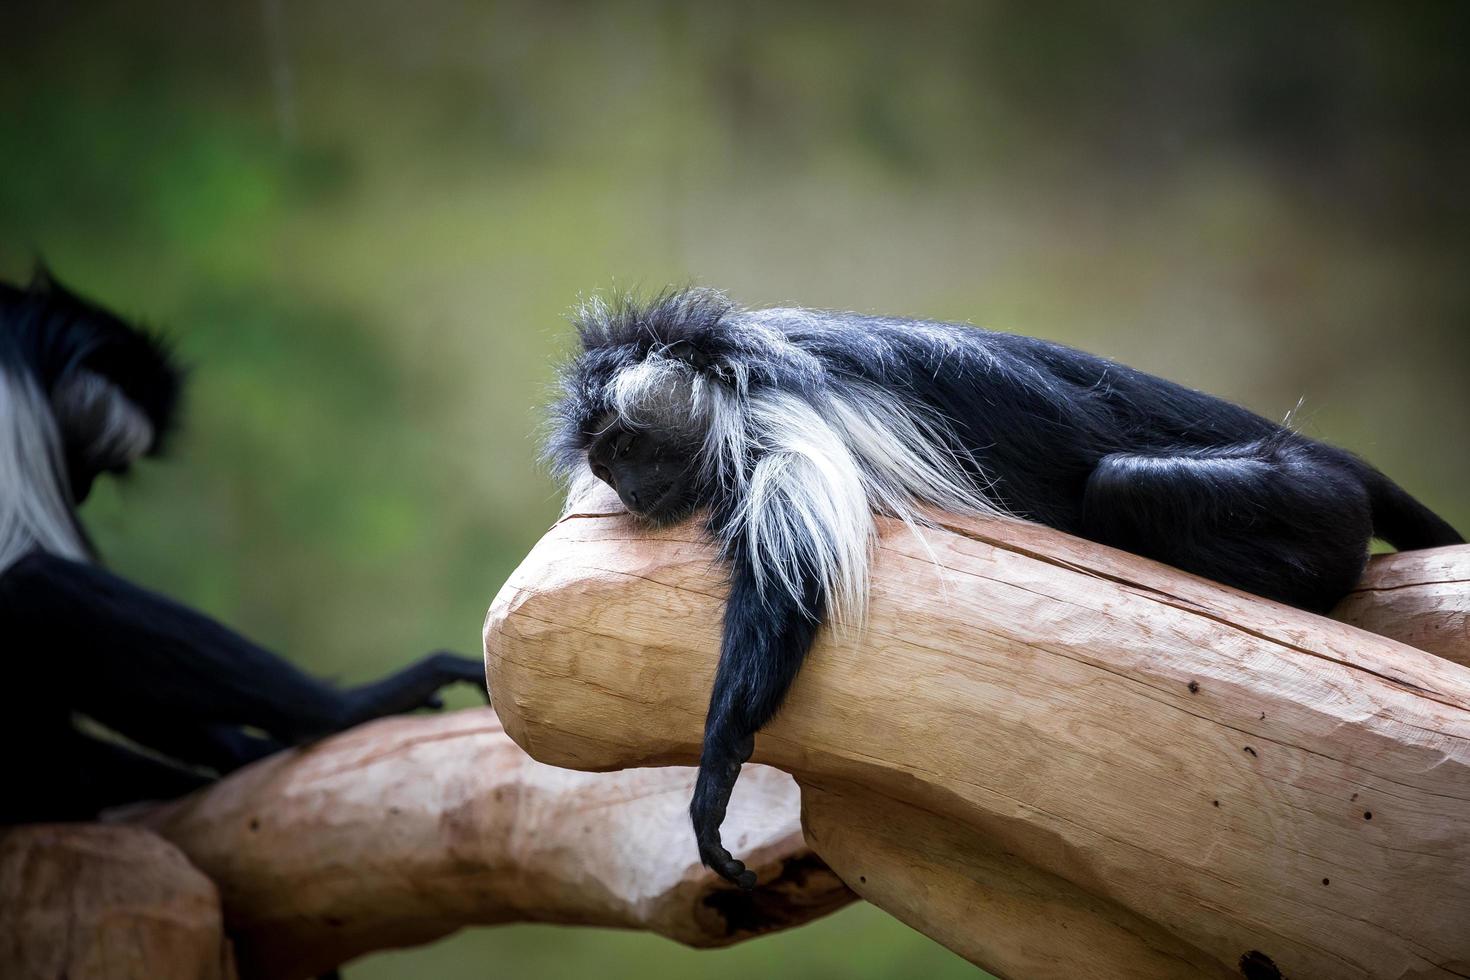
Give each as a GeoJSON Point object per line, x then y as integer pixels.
{"type": "Point", "coordinates": [1056, 758]}
{"type": "Point", "coordinates": [405, 830]}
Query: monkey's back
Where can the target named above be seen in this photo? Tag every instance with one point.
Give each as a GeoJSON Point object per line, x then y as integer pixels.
{"type": "Point", "coordinates": [1036, 417]}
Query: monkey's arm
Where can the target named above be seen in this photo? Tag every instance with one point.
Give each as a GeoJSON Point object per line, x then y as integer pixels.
{"type": "Point", "coordinates": [139, 661]}
{"type": "Point", "coordinates": [766, 638]}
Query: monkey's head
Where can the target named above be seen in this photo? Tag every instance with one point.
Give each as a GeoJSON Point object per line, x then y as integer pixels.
{"type": "Point", "coordinates": [635, 410]}
{"type": "Point", "coordinates": [654, 404]}
{"type": "Point", "coordinates": [111, 388]}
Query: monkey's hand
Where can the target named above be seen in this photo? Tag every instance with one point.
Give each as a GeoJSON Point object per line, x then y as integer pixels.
{"type": "Point", "coordinates": [718, 771]}
{"type": "Point", "coordinates": [765, 638]}
{"type": "Point", "coordinates": [416, 686]}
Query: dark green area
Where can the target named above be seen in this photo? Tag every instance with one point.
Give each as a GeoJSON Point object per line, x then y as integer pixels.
{"type": "Point", "coordinates": [363, 224]}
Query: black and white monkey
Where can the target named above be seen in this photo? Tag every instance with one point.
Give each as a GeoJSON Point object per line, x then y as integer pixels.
{"type": "Point", "coordinates": [790, 428]}
{"type": "Point", "coordinates": [84, 393]}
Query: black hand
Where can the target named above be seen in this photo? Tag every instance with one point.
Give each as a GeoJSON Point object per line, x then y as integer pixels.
{"type": "Point", "coordinates": [718, 770]}
{"type": "Point", "coordinates": [416, 686]}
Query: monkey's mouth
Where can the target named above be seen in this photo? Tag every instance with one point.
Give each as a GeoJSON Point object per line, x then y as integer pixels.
{"type": "Point", "coordinates": [667, 504]}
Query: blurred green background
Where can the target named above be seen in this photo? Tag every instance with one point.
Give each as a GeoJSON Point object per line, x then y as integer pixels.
{"type": "Point", "coordinates": [363, 224]}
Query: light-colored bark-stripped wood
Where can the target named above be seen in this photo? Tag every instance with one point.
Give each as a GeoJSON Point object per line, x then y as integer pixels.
{"type": "Point", "coordinates": [92, 902]}
{"type": "Point", "coordinates": [1058, 759]}
{"type": "Point", "coordinates": [1421, 598]}
{"type": "Point", "coordinates": [404, 830]}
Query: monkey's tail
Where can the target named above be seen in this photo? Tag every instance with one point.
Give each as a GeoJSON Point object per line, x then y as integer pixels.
{"type": "Point", "coordinates": [1401, 520]}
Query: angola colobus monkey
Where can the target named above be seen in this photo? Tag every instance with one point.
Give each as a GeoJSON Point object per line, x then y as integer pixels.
{"type": "Point", "coordinates": [791, 427]}
{"type": "Point", "coordinates": [84, 393]}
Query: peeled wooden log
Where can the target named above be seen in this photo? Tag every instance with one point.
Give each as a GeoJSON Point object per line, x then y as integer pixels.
{"type": "Point", "coordinates": [1421, 598]}
{"type": "Point", "coordinates": [1058, 759]}
{"type": "Point", "coordinates": [91, 902]}
{"type": "Point", "coordinates": [405, 830]}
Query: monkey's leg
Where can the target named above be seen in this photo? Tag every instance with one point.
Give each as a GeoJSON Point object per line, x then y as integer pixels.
{"type": "Point", "coordinates": [74, 776]}
{"type": "Point", "coordinates": [766, 637]}
{"type": "Point", "coordinates": [221, 747]}
{"type": "Point", "coordinates": [230, 748]}
{"type": "Point", "coordinates": [108, 774]}
{"type": "Point", "coordinates": [1280, 518]}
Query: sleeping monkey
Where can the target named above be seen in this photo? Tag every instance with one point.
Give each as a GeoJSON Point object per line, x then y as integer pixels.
{"type": "Point", "coordinates": [789, 428]}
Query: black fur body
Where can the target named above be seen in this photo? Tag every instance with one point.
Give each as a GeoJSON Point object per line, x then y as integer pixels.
{"type": "Point", "coordinates": [82, 393]}
{"type": "Point", "coordinates": [782, 423]}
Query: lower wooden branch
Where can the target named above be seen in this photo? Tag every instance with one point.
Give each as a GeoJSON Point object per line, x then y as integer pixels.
{"type": "Point", "coordinates": [405, 830]}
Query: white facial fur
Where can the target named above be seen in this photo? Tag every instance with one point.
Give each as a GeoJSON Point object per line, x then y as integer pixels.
{"type": "Point", "coordinates": [35, 508]}
{"type": "Point", "coordinates": [95, 412]}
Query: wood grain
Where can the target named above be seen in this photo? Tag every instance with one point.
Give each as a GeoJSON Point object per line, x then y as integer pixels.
{"type": "Point", "coordinates": [1058, 759]}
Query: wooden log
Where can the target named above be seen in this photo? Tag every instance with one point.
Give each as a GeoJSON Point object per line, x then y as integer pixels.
{"type": "Point", "coordinates": [90, 902]}
{"type": "Point", "coordinates": [404, 830]}
{"type": "Point", "coordinates": [1421, 598]}
{"type": "Point", "coordinates": [1058, 759]}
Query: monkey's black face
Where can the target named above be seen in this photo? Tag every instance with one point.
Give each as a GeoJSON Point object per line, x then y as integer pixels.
{"type": "Point", "coordinates": [653, 471]}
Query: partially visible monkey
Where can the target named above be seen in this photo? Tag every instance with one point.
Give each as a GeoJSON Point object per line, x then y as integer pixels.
{"type": "Point", "coordinates": [791, 427]}
{"type": "Point", "coordinates": [84, 393]}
